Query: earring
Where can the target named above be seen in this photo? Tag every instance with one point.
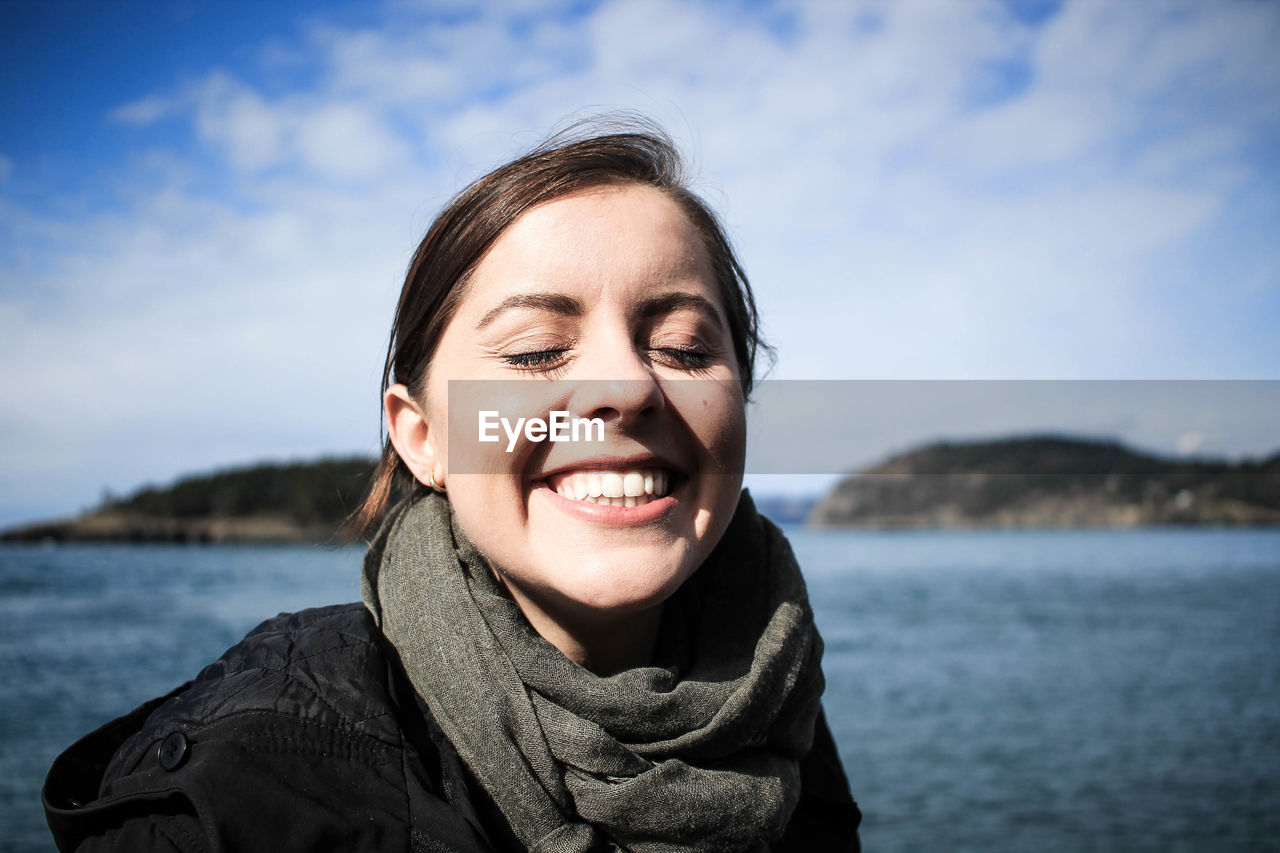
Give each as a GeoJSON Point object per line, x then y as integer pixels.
{"type": "Point", "coordinates": [432, 483]}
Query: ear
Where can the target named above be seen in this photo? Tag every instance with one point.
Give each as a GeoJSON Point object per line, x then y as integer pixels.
{"type": "Point", "coordinates": [410, 434]}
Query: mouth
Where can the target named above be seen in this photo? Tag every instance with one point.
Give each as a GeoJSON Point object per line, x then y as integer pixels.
{"type": "Point", "coordinates": [617, 487]}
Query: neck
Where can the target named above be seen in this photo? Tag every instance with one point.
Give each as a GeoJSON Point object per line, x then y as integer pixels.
{"type": "Point", "coordinates": [604, 643]}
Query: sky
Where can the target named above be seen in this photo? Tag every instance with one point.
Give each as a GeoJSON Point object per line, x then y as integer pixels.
{"type": "Point", "coordinates": [206, 210]}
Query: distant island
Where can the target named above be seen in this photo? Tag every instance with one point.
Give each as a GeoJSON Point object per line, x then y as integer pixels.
{"type": "Point", "coordinates": [290, 502]}
{"type": "Point", "coordinates": [1045, 481]}
{"type": "Point", "coordinates": [1050, 481]}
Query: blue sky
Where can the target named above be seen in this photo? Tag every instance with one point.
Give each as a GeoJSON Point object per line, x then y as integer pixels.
{"type": "Point", "coordinates": [206, 209]}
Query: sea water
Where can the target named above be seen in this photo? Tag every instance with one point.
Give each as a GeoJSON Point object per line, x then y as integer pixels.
{"type": "Point", "coordinates": [1064, 690]}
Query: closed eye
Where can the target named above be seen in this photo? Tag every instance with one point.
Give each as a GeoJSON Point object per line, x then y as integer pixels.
{"type": "Point", "coordinates": [536, 360]}
{"type": "Point", "coordinates": [691, 359]}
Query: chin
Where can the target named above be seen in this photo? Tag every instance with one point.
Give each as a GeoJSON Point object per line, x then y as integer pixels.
{"type": "Point", "coordinates": [624, 586]}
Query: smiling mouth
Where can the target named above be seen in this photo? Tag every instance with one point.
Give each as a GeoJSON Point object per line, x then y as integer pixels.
{"type": "Point", "coordinates": [626, 488]}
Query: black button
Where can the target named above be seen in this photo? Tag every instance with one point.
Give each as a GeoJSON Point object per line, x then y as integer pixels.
{"type": "Point", "coordinates": [173, 751]}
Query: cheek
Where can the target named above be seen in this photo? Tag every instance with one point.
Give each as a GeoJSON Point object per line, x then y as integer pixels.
{"type": "Point", "coordinates": [718, 420]}
{"type": "Point", "coordinates": [730, 446]}
{"type": "Point", "coordinates": [491, 510]}
{"type": "Point", "coordinates": [716, 415]}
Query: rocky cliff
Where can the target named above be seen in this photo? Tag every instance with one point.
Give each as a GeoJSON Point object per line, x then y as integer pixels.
{"type": "Point", "coordinates": [1051, 481]}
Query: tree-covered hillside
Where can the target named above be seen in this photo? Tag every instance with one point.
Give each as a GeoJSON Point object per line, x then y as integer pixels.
{"type": "Point", "coordinates": [321, 492]}
{"type": "Point", "coordinates": [289, 502]}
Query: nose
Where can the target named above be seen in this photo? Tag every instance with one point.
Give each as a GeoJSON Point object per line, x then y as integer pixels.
{"type": "Point", "coordinates": [616, 384]}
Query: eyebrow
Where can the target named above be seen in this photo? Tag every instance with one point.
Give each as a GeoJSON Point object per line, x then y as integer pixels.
{"type": "Point", "coordinates": [557, 303]}
{"type": "Point", "coordinates": [665, 303]}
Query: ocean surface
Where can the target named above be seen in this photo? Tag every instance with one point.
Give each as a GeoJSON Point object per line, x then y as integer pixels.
{"type": "Point", "coordinates": [1065, 690]}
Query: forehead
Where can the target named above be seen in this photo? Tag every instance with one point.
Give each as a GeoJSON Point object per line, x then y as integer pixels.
{"type": "Point", "coordinates": [597, 241]}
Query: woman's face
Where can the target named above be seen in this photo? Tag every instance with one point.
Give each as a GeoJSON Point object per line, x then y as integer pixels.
{"type": "Point", "coordinates": [602, 304]}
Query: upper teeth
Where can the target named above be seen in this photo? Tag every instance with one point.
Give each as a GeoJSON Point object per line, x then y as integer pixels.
{"type": "Point", "coordinates": [618, 488]}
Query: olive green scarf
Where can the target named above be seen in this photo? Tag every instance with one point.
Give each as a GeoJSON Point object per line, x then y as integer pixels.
{"type": "Point", "coordinates": [698, 751]}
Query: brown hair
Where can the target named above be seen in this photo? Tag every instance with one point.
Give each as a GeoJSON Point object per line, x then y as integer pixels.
{"type": "Point", "coordinates": [588, 154]}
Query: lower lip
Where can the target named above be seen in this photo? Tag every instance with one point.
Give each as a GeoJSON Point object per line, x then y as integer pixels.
{"type": "Point", "coordinates": [614, 516]}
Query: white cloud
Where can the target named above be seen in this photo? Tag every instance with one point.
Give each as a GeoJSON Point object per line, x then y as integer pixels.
{"type": "Point", "coordinates": [365, 65]}
{"type": "Point", "coordinates": [144, 111]}
{"type": "Point", "coordinates": [236, 119]}
{"type": "Point", "coordinates": [346, 141]}
{"type": "Point", "coordinates": [322, 135]}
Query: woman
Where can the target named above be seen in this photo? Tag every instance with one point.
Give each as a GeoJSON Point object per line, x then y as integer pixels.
{"type": "Point", "coordinates": [573, 645]}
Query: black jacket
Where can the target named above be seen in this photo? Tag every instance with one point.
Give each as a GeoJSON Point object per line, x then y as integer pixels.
{"type": "Point", "coordinates": [307, 736]}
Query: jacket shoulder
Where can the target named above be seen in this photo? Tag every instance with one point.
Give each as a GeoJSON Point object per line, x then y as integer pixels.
{"type": "Point", "coordinates": [287, 675]}
{"type": "Point", "coordinates": [289, 741]}
{"type": "Point", "coordinates": [299, 666]}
